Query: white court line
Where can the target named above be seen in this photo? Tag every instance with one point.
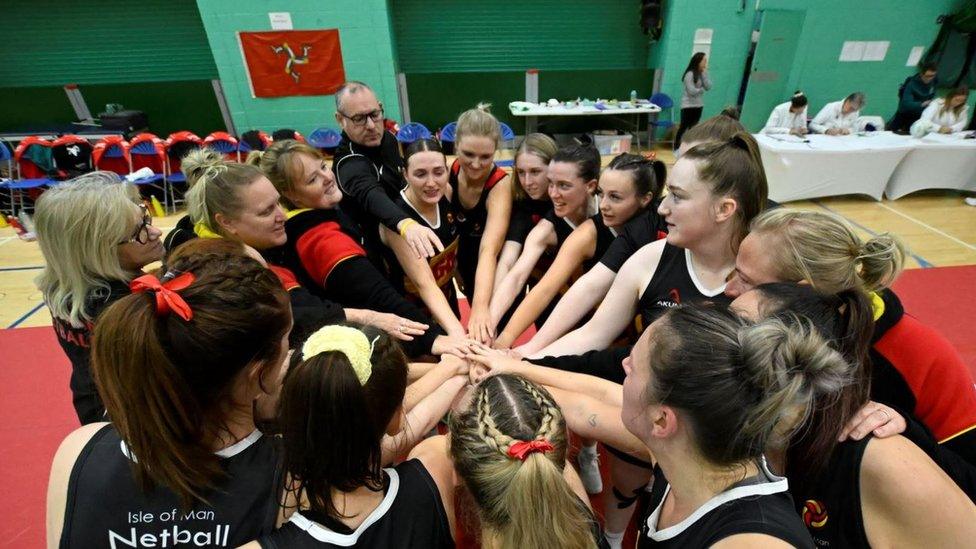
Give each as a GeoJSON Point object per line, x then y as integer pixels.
{"type": "Point", "coordinates": [929, 227]}
{"type": "Point", "coordinates": [6, 239]}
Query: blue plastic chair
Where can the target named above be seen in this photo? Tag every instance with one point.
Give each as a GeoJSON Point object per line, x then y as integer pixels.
{"type": "Point", "coordinates": [145, 148]}
{"type": "Point", "coordinates": [15, 184]}
{"type": "Point", "coordinates": [326, 139]}
{"type": "Point", "coordinates": [664, 101]}
{"type": "Point", "coordinates": [411, 132]}
{"type": "Point", "coordinates": [447, 133]}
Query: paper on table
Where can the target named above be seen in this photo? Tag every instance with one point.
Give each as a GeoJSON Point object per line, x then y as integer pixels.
{"type": "Point", "coordinates": [915, 56]}
{"type": "Point", "coordinates": [852, 51]}
{"type": "Point", "coordinates": [875, 51]}
{"type": "Point", "coordinates": [703, 36]}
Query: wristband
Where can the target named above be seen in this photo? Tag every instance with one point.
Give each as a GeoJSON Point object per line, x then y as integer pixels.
{"type": "Point", "coordinates": [406, 225]}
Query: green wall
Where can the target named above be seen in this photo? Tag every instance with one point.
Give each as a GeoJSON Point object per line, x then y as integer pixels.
{"type": "Point", "coordinates": [455, 54]}
{"type": "Point", "coordinates": [816, 70]}
{"type": "Point", "coordinates": [151, 56]}
{"type": "Point", "coordinates": [367, 51]}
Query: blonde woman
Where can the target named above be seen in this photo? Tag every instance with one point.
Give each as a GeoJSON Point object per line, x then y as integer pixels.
{"type": "Point", "coordinates": [326, 254]}
{"type": "Point", "coordinates": [948, 114]}
{"type": "Point", "coordinates": [482, 203]}
{"type": "Point", "coordinates": [913, 367]}
{"type": "Point", "coordinates": [95, 237]}
{"type": "Point", "coordinates": [509, 449]}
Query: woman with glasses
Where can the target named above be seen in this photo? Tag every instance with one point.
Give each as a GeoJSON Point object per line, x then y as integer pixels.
{"type": "Point", "coordinates": [95, 237]}
{"type": "Point", "coordinates": [367, 165]}
{"type": "Point", "coordinates": [628, 185]}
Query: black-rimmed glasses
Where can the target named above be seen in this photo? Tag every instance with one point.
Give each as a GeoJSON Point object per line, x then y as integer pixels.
{"type": "Point", "coordinates": [141, 235]}
{"type": "Point", "coordinates": [360, 119]}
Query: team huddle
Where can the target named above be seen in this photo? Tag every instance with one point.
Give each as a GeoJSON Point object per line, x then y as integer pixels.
{"type": "Point", "coordinates": [297, 371]}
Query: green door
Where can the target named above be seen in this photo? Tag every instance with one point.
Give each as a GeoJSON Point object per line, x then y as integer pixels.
{"type": "Point", "coordinates": [779, 33]}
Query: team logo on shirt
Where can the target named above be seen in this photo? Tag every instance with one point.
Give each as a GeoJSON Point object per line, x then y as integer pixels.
{"type": "Point", "coordinates": [814, 514]}
{"type": "Point", "coordinates": [672, 303]}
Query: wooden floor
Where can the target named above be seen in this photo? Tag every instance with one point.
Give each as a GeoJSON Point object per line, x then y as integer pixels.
{"type": "Point", "coordinates": [937, 226]}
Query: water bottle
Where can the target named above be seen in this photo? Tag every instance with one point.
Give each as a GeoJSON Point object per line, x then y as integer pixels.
{"type": "Point", "coordinates": [633, 98]}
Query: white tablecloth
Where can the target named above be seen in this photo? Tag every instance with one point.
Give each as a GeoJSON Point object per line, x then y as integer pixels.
{"type": "Point", "coordinates": [936, 162]}
{"type": "Point", "coordinates": [825, 165]}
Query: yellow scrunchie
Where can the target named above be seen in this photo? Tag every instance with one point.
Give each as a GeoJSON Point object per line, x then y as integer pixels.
{"type": "Point", "coordinates": [348, 341]}
{"type": "Point", "coordinates": [203, 231]}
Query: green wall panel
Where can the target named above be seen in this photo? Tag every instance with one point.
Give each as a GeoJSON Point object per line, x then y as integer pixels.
{"type": "Point", "coordinates": [52, 43]}
{"type": "Point", "coordinates": [495, 35]}
{"type": "Point", "coordinates": [367, 52]}
{"type": "Point", "coordinates": [170, 106]}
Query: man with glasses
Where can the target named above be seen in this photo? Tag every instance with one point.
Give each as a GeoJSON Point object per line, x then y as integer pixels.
{"type": "Point", "coordinates": [914, 95]}
{"type": "Point", "coordinates": [367, 166]}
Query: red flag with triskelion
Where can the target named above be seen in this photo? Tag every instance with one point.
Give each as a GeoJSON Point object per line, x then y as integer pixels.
{"type": "Point", "coordinates": [297, 62]}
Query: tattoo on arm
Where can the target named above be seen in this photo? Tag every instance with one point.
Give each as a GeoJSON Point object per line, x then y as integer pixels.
{"type": "Point", "coordinates": [592, 420]}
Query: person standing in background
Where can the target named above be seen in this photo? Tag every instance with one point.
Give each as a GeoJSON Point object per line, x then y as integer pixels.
{"type": "Point", "coordinates": [914, 96]}
{"type": "Point", "coordinates": [696, 83]}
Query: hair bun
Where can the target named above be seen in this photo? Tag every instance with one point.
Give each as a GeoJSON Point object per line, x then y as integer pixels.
{"type": "Point", "coordinates": [484, 107]}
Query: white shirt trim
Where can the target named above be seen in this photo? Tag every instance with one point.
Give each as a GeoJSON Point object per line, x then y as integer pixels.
{"type": "Point", "coordinates": [227, 452]}
{"type": "Point", "coordinates": [323, 534]}
{"type": "Point", "coordinates": [777, 485]}
{"type": "Point", "coordinates": [433, 226]}
{"type": "Point", "coordinates": [694, 278]}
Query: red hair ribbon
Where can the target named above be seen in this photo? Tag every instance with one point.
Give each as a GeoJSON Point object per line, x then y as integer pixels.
{"type": "Point", "coordinates": [167, 300]}
{"type": "Point", "coordinates": [521, 449]}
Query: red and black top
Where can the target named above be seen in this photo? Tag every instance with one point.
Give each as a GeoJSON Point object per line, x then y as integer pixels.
{"type": "Point", "coordinates": [471, 223]}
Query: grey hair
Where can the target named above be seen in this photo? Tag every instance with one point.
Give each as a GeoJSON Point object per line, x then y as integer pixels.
{"type": "Point", "coordinates": [857, 98]}
{"type": "Point", "coordinates": [79, 226]}
{"type": "Point", "coordinates": [349, 88]}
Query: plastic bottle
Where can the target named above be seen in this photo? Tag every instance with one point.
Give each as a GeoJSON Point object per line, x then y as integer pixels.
{"type": "Point", "coordinates": [633, 97]}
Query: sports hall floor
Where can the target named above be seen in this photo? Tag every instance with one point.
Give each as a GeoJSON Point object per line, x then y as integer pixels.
{"type": "Point", "coordinates": [939, 287]}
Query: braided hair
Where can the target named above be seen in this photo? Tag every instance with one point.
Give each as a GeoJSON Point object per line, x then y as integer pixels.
{"type": "Point", "coordinates": [515, 495]}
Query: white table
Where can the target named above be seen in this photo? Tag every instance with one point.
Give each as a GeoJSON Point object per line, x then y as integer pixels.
{"type": "Point", "coordinates": [824, 165]}
{"type": "Point", "coordinates": [936, 162]}
{"type": "Point", "coordinates": [532, 112]}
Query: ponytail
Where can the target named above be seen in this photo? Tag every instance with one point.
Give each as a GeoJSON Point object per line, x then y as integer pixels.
{"type": "Point", "coordinates": [734, 168]}
{"type": "Point", "coordinates": [824, 250]}
{"type": "Point", "coordinates": [333, 423]}
{"type": "Point", "coordinates": [214, 186]}
{"type": "Point", "coordinates": [167, 383]}
{"type": "Point", "coordinates": [478, 122]}
{"type": "Point", "coordinates": [881, 259]}
{"type": "Point", "coordinates": [741, 388]}
{"type": "Point", "coordinates": [647, 175]}
{"type": "Point", "coordinates": [515, 496]}
{"type": "Point", "coordinates": [846, 323]}
{"type": "Point", "coordinates": [790, 364]}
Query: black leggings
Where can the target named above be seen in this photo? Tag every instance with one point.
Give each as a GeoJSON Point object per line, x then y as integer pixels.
{"type": "Point", "coordinates": [689, 117]}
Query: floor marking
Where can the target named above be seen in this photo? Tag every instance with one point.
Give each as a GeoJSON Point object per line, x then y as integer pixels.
{"type": "Point", "coordinates": [17, 322]}
{"type": "Point", "coordinates": [921, 260]}
{"type": "Point", "coordinates": [929, 227]}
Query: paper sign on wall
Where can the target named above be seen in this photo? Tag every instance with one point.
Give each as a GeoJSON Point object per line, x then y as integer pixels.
{"type": "Point", "coordinates": [703, 36]}
{"type": "Point", "coordinates": [280, 20]}
{"type": "Point", "coordinates": [915, 56]}
{"type": "Point", "coordinates": [852, 51]}
{"type": "Point", "coordinates": [875, 51]}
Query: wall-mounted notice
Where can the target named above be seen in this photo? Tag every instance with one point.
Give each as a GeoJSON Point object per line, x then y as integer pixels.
{"type": "Point", "coordinates": [852, 51]}
{"type": "Point", "coordinates": [280, 20]}
{"type": "Point", "coordinates": [703, 36]}
{"type": "Point", "coordinates": [875, 51]}
{"type": "Point", "coordinates": [915, 56]}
